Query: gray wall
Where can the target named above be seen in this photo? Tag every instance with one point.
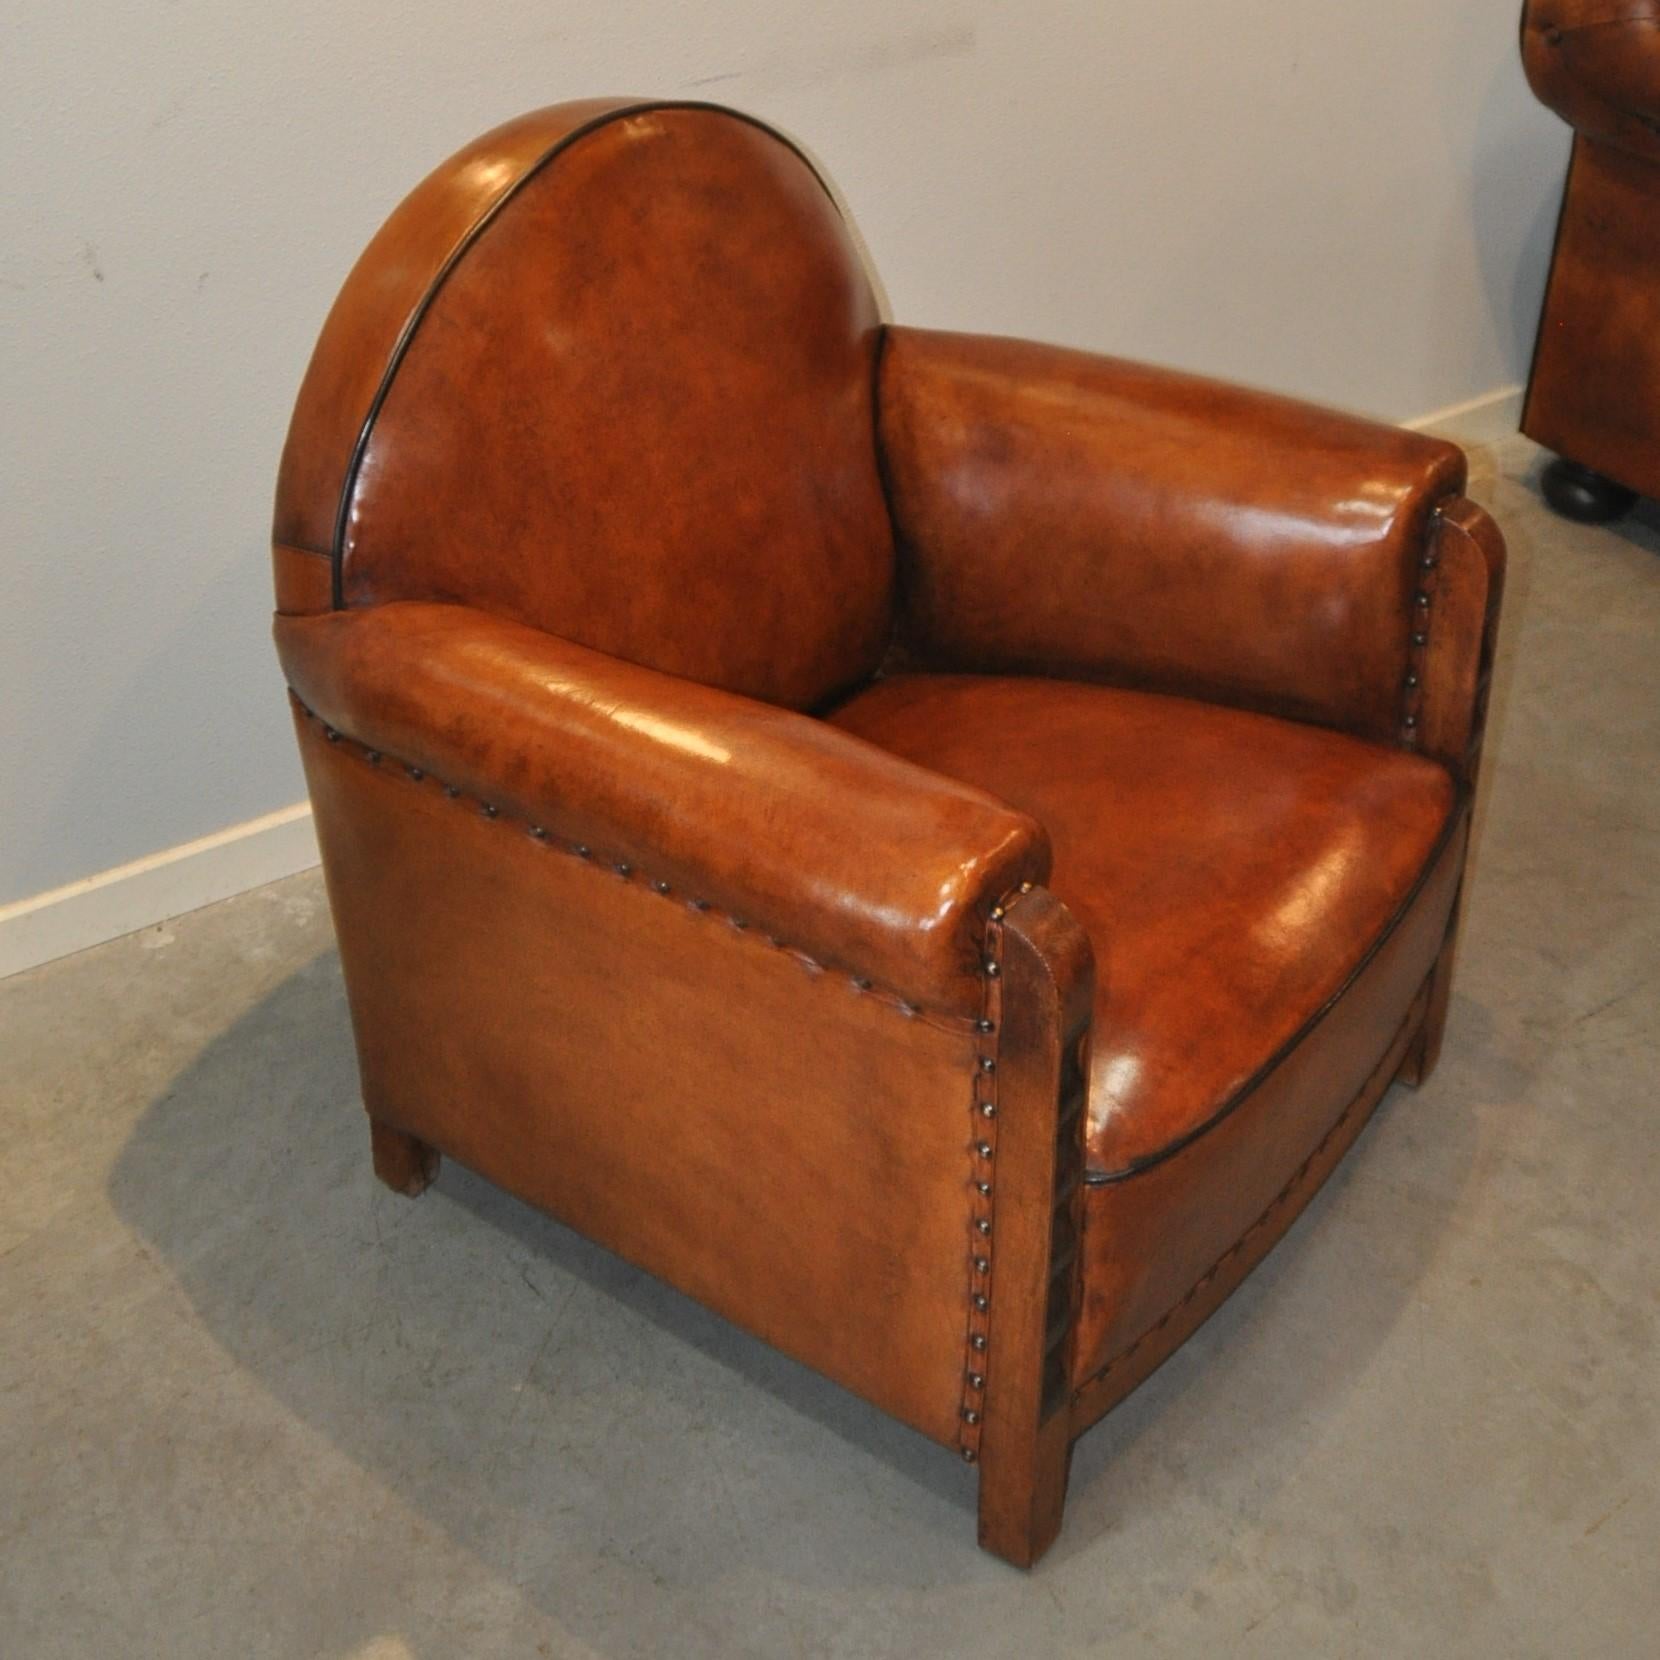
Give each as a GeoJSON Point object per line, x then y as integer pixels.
{"type": "Point", "coordinates": [1352, 202]}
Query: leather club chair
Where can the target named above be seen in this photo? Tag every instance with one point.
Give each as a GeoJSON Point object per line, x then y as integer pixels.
{"type": "Point", "coordinates": [931, 844]}
{"type": "Point", "coordinates": [1594, 395]}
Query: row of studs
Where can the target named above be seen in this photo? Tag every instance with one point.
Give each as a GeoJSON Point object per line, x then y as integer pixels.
{"type": "Point", "coordinates": [983, 1148]}
{"type": "Point", "coordinates": [859, 983]}
{"type": "Point", "coordinates": [1423, 597]}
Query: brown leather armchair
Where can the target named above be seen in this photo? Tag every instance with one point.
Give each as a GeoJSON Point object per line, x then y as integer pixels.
{"type": "Point", "coordinates": [933, 845]}
{"type": "Point", "coordinates": [1594, 394]}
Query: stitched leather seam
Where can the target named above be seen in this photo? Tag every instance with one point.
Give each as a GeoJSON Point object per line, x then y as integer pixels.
{"type": "Point", "coordinates": [628, 872]}
{"type": "Point", "coordinates": [1268, 1216]}
{"type": "Point", "coordinates": [1105, 1178]}
{"type": "Point", "coordinates": [340, 544]}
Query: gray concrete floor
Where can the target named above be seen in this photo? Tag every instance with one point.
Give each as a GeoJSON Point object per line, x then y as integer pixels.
{"type": "Point", "coordinates": [253, 1405]}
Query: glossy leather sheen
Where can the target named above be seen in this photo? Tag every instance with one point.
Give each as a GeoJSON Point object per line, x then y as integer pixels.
{"type": "Point", "coordinates": [762, 1135]}
{"type": "Point", "coordinates": [655, 357]}
{"type": "Point", "coordinates": [1597, 64]}
{"type": "Point", "coordinates": [1152, 1238]}
{"type": "Point", "coordinates": [696, 682]}
{"type": "Point", "coordinates": [1232, 870]}
{"type": "Point", "coordinates": [1594, 394]}
{"type": "Point", "coordinates": [379, 302]}
{"type": "Point", "coordinates": [1078, 515]}
{"type": "Point", "coordinates": [848, 853]}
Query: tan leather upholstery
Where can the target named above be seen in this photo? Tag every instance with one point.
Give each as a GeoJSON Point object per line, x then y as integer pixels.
{"type": "Point", "coordinates": [933, 845]}
{"type": "Point", "coordinates": [1594, 393]}
{"type": "Point", "coordinates": [1233, 921]}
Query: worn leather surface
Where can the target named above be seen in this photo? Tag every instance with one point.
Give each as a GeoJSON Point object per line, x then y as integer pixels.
{"type": "Point", "coordinates": [602, 477]}
{"type": "Point", "coordinates": [1594, 395]}
{"type": "Point", "coordinates": [1151, 1240]}
{"type": "Point", "coordinates": [656, 358]}
{"type": "Point", "coordinates": [863, 861]}
{"type": "Point", "coordinates": [379, 300]}
{"type": "Point", "coordinates": [789, 1151]}
{"type": "Point", "coordinates": [1597, 64]}
{"type": "Point", "coordinates": [1231, 869]}
{"type": "Point", "coordinates": [1071, 514]}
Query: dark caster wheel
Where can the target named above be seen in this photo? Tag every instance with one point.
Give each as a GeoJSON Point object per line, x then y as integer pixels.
{"type": "Point", "coordinates": [1586, 496]}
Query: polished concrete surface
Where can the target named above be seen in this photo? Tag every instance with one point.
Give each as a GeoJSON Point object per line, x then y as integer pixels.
{"type": "Point", "coordinates": [253, 1405]}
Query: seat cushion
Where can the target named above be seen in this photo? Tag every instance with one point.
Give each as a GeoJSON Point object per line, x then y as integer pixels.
{"type": "Point", "coordinates": [1233, 871]}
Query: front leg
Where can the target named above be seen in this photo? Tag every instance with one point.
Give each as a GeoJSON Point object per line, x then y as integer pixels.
{"type": "Point", "coordinates": [1042, 998]}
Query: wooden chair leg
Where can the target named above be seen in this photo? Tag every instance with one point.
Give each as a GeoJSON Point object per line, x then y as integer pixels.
{"type": "Point", "coordinates": [406, 1165]}
{"type": "Point", "coordinates": [1025, 1445]}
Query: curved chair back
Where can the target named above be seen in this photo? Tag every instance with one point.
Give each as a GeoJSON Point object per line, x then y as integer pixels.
{"type": "Point", "coordinates": [608, 371]}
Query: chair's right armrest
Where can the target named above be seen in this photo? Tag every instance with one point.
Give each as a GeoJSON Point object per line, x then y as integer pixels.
{"type": "Point", "coordinates": [1597, 64]}
{"type": "Point", "coordinates": [1069, 514]}
{"type": "Point", "coordinates": [852, 855]}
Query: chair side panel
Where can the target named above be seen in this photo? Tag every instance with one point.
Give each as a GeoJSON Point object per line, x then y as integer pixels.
{"type": "Point", "coordinates": [786, 1147]}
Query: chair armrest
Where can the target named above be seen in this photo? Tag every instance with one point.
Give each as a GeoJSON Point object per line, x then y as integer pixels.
{"type": "Point", "coordinates": [849, 854]}
{"type": "Point", "coordinates": [1597, 64]}
{"type": "Point", "coordinates": [1063, 513]}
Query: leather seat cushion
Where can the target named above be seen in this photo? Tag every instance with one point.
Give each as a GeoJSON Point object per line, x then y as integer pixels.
{"type": "Point", "coordinates": [1232, 870]}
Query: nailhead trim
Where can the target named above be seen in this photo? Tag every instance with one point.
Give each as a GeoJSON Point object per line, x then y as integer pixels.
{"type": "Point", "coordinates": [1423, 599]}
{"type": "Point", "coordinates": [982, 1095]}
{"type": "Point", "coordinates": [627, 872]}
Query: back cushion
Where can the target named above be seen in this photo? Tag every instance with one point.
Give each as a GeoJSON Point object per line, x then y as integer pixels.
{"type": "Point", "coordinates": [635, 409]}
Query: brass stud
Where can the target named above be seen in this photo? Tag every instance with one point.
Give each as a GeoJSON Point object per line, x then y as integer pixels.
{"type": "Point", "coordinates": [997, 913]}
{"type": "Point", "coordinates": [739, 923]}
{"type": "Point", "coordinates": [1422, 598]}
{"type": "Point", "coordinates": [1411, 680]}
{"type": "Point", "coordinates": [372, 756]}
{"type": "Point", "coordinates": [983, 1148]}
{"type": "Point", "coordinates": [1410, 722]}
{"type": "Point", "coordinates": [660, 887]}
{"type": "Point", "coordinates": [984, 1026]}
{"type": "Point", "coordinates": [984, 1189]}
{"type": "Point", "coordinates": [583, 851]}
{"type": "Point", "coordinates": [538, 832]}
{"type": "Point", "coordinates": [982, 1265]}
{"type": "Point", "coordinates": [983, 1226]}
{"type": "Point", "coordinates": [987, 1064]}
{"type": "Point", "coordinates": [415, 773]}
{"type": "Point", "coordinates": [978, 1342]}
{"type": "Point", "coordinates": [1420, 638]}
{"type": "Point", "coordinates": [700, 904]}
{"type": "Point", "coordinates": [969, 1455]}
{"type": "Point", "coordinates": [909, 1010]}
{"type": "Point", "coordinates": [970, 1416]}
{"type": "Point", "coordinates": [976, 1380]}
{"type": "Point", "coordinates": [623, 869]}
{"type": "Point", "coordinates": [981, 1301]}
{"type": "Point", "coordinates": [1428, 562]}
{"type": "Point", "coordinates": [452, 791]}
{"type": "Point", "coordinates": [490, 810]}
{"type": "Point", "coordinates": [1025, 887]}
{"type": "Point", "coordinates": [992, 970]}
{"type": "Point", "coordinates": [860, 983]}
{"type": "Point", "coordinates": [330, 733]}
{"type": "Point", "coordinates": [988, 1109]}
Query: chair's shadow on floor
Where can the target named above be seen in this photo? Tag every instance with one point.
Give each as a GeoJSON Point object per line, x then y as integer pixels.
{"type": "Point", "coordinates": [403, 1332]}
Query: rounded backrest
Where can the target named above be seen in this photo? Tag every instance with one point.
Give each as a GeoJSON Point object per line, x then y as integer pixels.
{"type": "Point", "coordinates": [608, 371]}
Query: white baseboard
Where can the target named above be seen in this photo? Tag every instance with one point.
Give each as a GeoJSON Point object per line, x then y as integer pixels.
{"type": "Point", "coordinates": [152, 889]}
{"type": "Point", "coordinates": [1493, 416]}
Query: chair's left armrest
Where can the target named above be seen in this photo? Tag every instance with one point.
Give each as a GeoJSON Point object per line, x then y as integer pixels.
{"type": "Point", "coordinates": [858, 858]}
{"type": "Point", "coordinates": [1063, 513]}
